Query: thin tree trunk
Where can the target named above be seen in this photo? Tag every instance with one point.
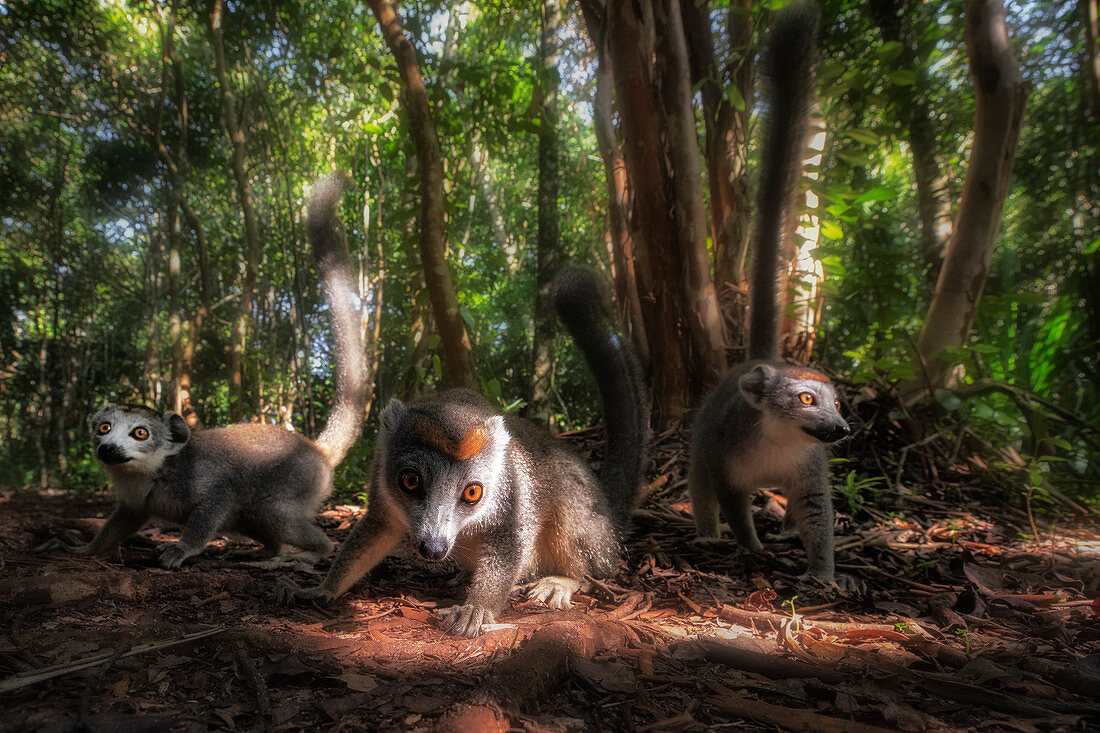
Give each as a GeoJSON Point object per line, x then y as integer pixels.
{"type": "Point", "coordinates": [457, 363]}
{"type": "Point", "coordinates": [1000, 94]}
{"type": "Point", "coordinates": [697, 286]}
{"type": "Point", "coordinates": [172, 215]}
{"type": "Point", "coordinates": [251, 226]}
{"type": "Point", "coordinates": [1092, 51]}
{"type": "Point", "coordinates": [896, 22]}
{"type": "Point", "coordinates": [727, 133]}
{"type": "Point", "coordinates": [540, 398]}
{"type": "Point", "coordinates": [618, 204]}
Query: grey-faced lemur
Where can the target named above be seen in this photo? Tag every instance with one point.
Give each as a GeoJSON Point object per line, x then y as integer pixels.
{"type": "Point", "coordinates": [769, 423]}
{"type": "Point", "coordinates": [260, 480]}
{"type": "Point", "coordinates": [498, 494]}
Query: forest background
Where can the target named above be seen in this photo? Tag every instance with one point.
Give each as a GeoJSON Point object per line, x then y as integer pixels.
{"type": "Point", "coordinates": [154, 159]}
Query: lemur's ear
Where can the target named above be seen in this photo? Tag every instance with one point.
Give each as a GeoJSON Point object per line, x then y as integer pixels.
{"type": "Point", "coordinates": [178, 432]}
{"type": "Point", "coordinates": [754, 384]}
{"type": "Point", "coordinates": [393, 414]}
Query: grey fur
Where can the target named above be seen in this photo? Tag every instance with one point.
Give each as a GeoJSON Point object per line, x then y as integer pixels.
{"type": "Point", "coordinates": [260, 480]}
{"type": "Point", "coordinates": [542, 514]}
{"type": "Point", "coordinates": [754, 431]}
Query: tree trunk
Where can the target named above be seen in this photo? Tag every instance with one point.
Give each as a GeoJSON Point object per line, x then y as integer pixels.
{"type": "Point", "coordinates": [897, 22]}
{"type": "Point", "coordinates": [652, 83]}
{"type": "Point", "coordinates": [172, 215]}
{"type": "Point", "coordinates": [690, 237]}
{"type": "Point", "coordinates": [727, 133]}
{"type": "Point", "coordinates": [457, 364]}
{"type": "Point", "coordinates": [251, 226]}
{"type": "Point", "coordinates": [540, 398]}
{"type": "Point", "coordinates": [618, 204]}
{"type": "Point", "coordinates": [1092, 52]}
{"type": "Point", "coordinates": [1000, 94]}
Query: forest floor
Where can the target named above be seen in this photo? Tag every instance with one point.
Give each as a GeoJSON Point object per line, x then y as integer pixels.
{"type": "Point", "coordinates": [963, 620]}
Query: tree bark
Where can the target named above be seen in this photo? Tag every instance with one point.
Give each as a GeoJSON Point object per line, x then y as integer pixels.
{"type": "Point", "coordinates": [690, 238]}
{"type": "Point", "coordinates": [540, 397]}
{"type": "Point", "coordinates": [251, 226]}
{"type": "Point", "coordinates": [896, 21]}
{"type": "Point", "coordinates": [1000, 94]}
{"type": "Point", "coordinates": [457, 363]}
{"type": "Point", "coordinates": [1092, 51]}
{"type": "Point", "coordinates": [727, 132]}
{"type": "Point", "coordinates": [652, 82]}
{"type": "Point", "coordinates": [618, 204]}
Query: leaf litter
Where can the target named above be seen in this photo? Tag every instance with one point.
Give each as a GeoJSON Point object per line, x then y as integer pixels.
{"type": "Point", "coordinates": [962, 619]}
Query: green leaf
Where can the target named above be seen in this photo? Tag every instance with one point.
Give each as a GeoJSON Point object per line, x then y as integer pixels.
{"type": "Point", "coordinates": [736, 100]}
{"type": "Point", "coordinates": [878, 194]}
{"type": "Point", "coordinates": [903, 77]}
{"type": "Point", "coordinates": [868, 137]}
{"type": "Point", "coordinates": [831, 229]}
{"type": "Point", "coordinates": [856, 159]}
{"type": "Point", "coordinates": [889, 51]}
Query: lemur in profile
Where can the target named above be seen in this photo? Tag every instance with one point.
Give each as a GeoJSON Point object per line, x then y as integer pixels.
{"type": "Point", "coordinates": [260, 480]}
{"type": "Point", "coordinates": [769, 423]}
{"type": "Point", "coordinates": [498, 494]}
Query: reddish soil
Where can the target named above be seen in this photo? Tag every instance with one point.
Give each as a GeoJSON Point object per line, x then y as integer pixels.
{"type": "Point", "coordinates": [960, 625]}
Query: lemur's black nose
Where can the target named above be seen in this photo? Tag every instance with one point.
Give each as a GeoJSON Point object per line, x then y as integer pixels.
{"type": "Point", "coordinates": [433, 549]}
{"type": "Point", "coordinates": [111, 454]}
{"type": "Point", "coordinates": [829, 433]}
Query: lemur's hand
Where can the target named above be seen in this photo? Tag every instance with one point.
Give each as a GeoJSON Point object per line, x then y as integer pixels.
{"type": "Point", "coordinates": [56, 544]}
{"type": "Point", "coordinates": [288, 593]}
{"type": "Point", "coordinates": [465, 620]}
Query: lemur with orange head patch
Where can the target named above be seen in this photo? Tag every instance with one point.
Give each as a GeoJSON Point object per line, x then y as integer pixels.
{"type": "Point", "coordinates": [769, 423]}
{"type": "Point", "coordinates": [498, 494]}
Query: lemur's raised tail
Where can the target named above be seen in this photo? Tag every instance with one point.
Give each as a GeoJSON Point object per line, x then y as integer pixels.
{"type": "Point", "coordinates": [583, 304]}
{"type": "Point", "coordinates": [497, 493]}
{"type": "Point", "coordinates": [256, 479]}
{"type": "Point", "coordinates": [769, 423]}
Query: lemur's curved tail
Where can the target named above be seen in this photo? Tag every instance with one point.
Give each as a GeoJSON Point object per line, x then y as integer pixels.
{"type": "Point", "coordinates": [583, 303]}
{"type": "Point", "coordinates": [330, 252]}
{"type": "Point", "coordinates": [788, 66]}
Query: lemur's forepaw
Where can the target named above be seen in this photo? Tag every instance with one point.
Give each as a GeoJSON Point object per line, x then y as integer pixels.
{"type": "Point", "coordinates": [172, 555]}
{"type": "Point", "coordinates": [841, 583]}
{"type": "Point", "coordinates": [56, 544]}
{"type": "Point", "coordinates": [465, 620]}
{"type": "Point", "coordinates": [554, 591]}
{"type": "Point", "coordinates": [714, 543]}
{"type": "Point", "coordinates": [288, 593]}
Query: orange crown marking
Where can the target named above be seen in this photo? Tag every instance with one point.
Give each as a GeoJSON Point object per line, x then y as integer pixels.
{"type": "Point", "coordinates": [471, 445]}
{"type": "Point", "coordinates": [433, 436]}
{"type": "Point", "coordinates": [808, 374]}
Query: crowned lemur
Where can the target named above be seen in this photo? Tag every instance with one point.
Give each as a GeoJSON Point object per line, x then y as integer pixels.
{"type": "Point", "coordinates": [769, 423]}
{"type": "Point", "coordinates": [498, 494]}
{"type": "Point", "coordinates": [260, 480]}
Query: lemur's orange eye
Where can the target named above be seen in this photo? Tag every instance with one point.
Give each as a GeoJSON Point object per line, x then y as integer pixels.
{"type": "Point", "coordinates": [140, 433]}
{"type": "Point", "coordinates": [836, 404]}
{"type": "Point", "coordinates": [472, 493]}
{"type": "Point", "coordinates": [104, 428]}
{"type": "Point", "coordinates": [410, 481]}
{"type": "Point", "coordinates": [806, 398]}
